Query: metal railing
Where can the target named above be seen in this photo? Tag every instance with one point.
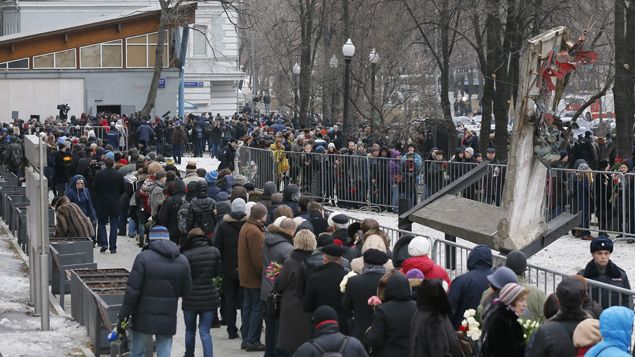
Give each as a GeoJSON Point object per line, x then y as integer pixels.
{"type": "Point", "coordinates": [101, 132]}
{"type": "Point", "coordinates": [605, 198]}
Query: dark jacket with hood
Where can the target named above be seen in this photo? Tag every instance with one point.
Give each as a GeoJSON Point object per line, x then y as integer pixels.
{"type": "Point", "coordinates": [555, 337]}
{"type": "Point", "coordinates": [320, 224]}
{"type": "Point", "coordinates": [612, 275]}
{"type": "Point", "coordinates": [168, 215]}
{"type": "Point", "coordinates": [468, 288]}
{"type": "Point", "coordinates": [389, 333]}
{"type": "Point", "coordinates": [159, 276]}
{"type": "Point", "coordinates": [331, 340]}
{"type": "Point", "coordinates": [502, 334]}
{"type": "Point", "coordinates": [205, 265]}
{"type": "Point", "coordinates": [323, 288]}
{"type": "Point", "coordinates": [278, 247]}
{"type": "Point", "coordinates": [201, 207]}
{"type": "Point", "coordinates": [81, 197]}
{"type": "Point", "coordinates": [290, 197]}
{"type": "Point", "coordinates": [226, 240]}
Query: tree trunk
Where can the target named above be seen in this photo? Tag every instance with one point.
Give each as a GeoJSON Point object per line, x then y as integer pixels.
{"type": "Point", "coordinates": [623, 89]}
{"type": "Point", "coordinates": [486, 115]}
{"type": "Point", "coordinates": [158, 64]}
{"type": "Point", "coordinates": [305, 62]}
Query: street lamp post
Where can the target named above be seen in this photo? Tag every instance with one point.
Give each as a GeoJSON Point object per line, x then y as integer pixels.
{"type": "Point", "coordinates": [373, 58]}
{"type": "Point", "coordinates": [333, 63]}
{"type": "Point", "coordinates": [348, 50]}
{"type": "Point", "coordinates": [296, 85]}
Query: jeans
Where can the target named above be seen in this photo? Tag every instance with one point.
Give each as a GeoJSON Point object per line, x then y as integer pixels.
{"type": "Point", "coordinates": [231, 289]}
{"type": "Point", "coordinates": [213, 149]}
{"type": "Point", "coordinates": [102, 239]}
{"type": "Point", "coordinates": [251, 314]}
{"type": "Point", "coordinates": [204, 325]}
{"type": "Point", "coordinates": [177, 152]}
{"type": "Point", "coordinates": [132, 227]}
{"type": "Point", "coordinates": [140, 340]}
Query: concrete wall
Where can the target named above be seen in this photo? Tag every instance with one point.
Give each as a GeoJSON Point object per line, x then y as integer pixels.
{"type": "Point", "coordinates": [100, 87]}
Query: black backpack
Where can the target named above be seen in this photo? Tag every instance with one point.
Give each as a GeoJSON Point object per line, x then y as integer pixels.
{"type": "Point", "coordinates": [324, 353]}
{"type": "Point", "coordinates": [204, 219]}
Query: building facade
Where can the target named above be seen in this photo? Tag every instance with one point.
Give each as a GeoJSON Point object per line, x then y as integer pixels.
{"type": "Point", "coordinates": [212, 71]}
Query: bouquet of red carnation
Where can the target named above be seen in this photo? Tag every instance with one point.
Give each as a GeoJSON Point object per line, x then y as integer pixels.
{"type": "Point", "coordinates": [273, 270]}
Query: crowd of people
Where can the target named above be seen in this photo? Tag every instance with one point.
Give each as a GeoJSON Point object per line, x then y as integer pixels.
{"type": "Point", "coordinates": [319, 283]}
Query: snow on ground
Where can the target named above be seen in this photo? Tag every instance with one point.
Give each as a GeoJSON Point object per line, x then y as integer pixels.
{"type": "Point", "coordinates": [20, 330]}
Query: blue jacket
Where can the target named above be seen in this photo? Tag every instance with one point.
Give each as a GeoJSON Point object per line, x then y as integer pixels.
{"type": "Point", "coordinates": [213, 191]}
{"type": "Point", "coordinates": [616, 326]}
{"type": "Point", "coordinates": [466, 290]}
{"type": "Point", "coordinates": [145, 132]}
{"type": "Point", "coordinates": [81, 197]}
{"type": "Point", "coordinates": [113, 138]}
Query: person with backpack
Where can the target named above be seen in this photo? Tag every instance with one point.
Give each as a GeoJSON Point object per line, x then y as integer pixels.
{"type": "Point", "coordinates": [226, 240]}
{"type": "Point", "coordinates": [168, 215]}
{"type": "Point", "coordinates": [329, 341]}
{"type": "Point", "coordinates": [197, 134]}
{"type": "Point", "coordinates": [201, 210]}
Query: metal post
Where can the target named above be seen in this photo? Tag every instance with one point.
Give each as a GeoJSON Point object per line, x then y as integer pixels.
{"type": "Point", "coordinates": [182, 55]}
{"type": "Point", "coordinates": [347, 97]}
{"type": "Point", "coordinates": [373, 116]}
{"type": "Point", "coordinates": [44, 239]}
{"type": "Point", "coordinates": [624, 205]}
{"type": "Point", "coordinates": [367, 195]}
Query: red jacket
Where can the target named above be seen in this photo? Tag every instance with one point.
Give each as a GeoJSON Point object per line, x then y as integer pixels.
{"type": "Point", "coordinates": [582, 351]}
{"type": "Point", "coordinates": [429, 269]}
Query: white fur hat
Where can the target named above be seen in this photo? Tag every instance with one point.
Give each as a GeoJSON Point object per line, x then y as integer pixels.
{"type": "Point", "coordinates": [419, 246]}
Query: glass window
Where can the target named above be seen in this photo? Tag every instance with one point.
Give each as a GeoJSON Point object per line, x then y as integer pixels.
{"type": "Point", "coordinates": [153, 38]}
{"type": "Point", "coordinates": [111, 55]}
{"type": "Point", "coordinates": [18, 64]}
{"type": "Point", "coordinates": [89, 57]}
{"type": "Point", "coordinates": [138, 39]}
{"type": "Point", "coordinates": [199, 43]}
{"type": "Point", "coordinates": [65, 59]}
{"type": "Point", "coordinates": [44, 61]}
{"type": "Point", "coordinates": [136, 56]}
{"type": "Point", "coordinates": [3, 65]}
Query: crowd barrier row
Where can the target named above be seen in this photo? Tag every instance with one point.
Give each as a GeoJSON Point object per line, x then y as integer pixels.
{"type": "Point", "coordinates": [453, 257]}
{"type": "Point", "coordinates": [83, 130]}
{"type": "Point", "coordinates": [605, 198]}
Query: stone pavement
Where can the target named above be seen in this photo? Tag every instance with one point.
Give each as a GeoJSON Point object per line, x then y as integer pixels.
{"type": "Point", "coordinates": [127, 250]}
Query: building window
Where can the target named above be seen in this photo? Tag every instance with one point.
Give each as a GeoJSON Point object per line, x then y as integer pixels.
{"type": "Point", "coordinates": [17, 64]}
{"type": "Point", "coordinates": [141, 51]}
{"type": "Point", "coordinates": [199, 43]}
{"type": "Point", "coordinates": [103, 55]}
{"type": "Point", "coordinates": [56, 60]}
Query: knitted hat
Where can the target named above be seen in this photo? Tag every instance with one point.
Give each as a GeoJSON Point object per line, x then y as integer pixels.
{"type": "Point", "coordinates": [159, 232]}
{"type": "Point", "coordinates": [375, 257]}
{"type": "Point", "coordinates": [510, 292]}
{"type": "Point", "coordinates": [278, 221]}
{"type": "Point", "coordinates": [324, 314]}
{"type": "Point", "coordinates": [470, 150]}
{"type": "Point", "coordinates": [333, 250]}
{"type": "Point", "coordinates": [305, 240]}
{"type": "Point", "coordinates": [517, 262]}
{"type": "Point", "coordinates": [570, 293]}
{"type": "Point", "coordinates": [501, 277]}
{"type": "Point", "coordinates": [419, 246]}
{"type": "Point", "coordinates": [324, 239]}
{"type": "Point", "coordinates": [222, 196]}
{"type": "Point", "coordinates": [169, 161]}
{"type": "Point", "coordinates": [249, 187]}
{"type": "Point", "coordinates": [211, 176]}
{"type": "Point", "coordinates": [269, 188]}
{"type": "Point", "coordinates": [248, 206]}
{"type": "Point", "coordinates": [238, 205]}
{"type": "Point", "coordinates": [110, 155]}
{"type": "Point", "coordinates": [415, 274]}
{"type": "Point", "coordinates": [258, 211]}
{"type": "Point", "coordinates": [331, 145]}
{"type": "Point", "coordinates": [587, 333]}
{"type": "Point", "coordinates": [601, 243]}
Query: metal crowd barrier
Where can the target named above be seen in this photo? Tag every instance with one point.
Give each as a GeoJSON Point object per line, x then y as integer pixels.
{"type": "Point", "coordinates": [83, 130]}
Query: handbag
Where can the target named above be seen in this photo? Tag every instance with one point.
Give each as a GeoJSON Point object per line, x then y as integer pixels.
{"type": "Point", "coordinates": [272, 310]}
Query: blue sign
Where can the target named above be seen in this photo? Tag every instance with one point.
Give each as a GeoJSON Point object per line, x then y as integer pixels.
{"type": "Point", "coordinates": [161, 82]}
{"type": "Point", "coordinates": [193, 84]}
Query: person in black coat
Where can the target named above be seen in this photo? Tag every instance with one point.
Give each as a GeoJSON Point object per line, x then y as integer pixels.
{"type": "Point", "coordinates": [431, 333]}
{"type": "Point", "coordinates": [323, 286]}
{"type": "Point", "coordinates": [108, 188]}
{"type": "Point", "coordinates": [389, 333]}
{"type": "Point", "coordinates": [555, 337]}
{"type": "Point", "coordinates": [226, 240]}
{"type": "Point", "coordinates": [502, 333]}
{"type": "Point", "coordinates": [360, 288]}
{"type": "Point", "coordinates": [328, 337]}
{"type": "Point", "coordinates": [228, 156]}
{"type": "Point", "coordinates": [203, 300]}
{"type": "Point", "coordinates": [168, 215]}
{"type": "Point", "coordinates": [160, 275]}
{"type": "Point", "coordinates": [467, 289]}
{"type": "Point", "coordinates": [316, 217]}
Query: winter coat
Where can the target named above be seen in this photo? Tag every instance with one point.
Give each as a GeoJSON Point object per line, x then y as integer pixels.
{"type": "Point", "coordinates": [107, 189]}
{"type": "Point", "coordinates": [81, 198]}
{"type": "Point", "coordinates": [358, 289]}
{"type": "Point", "coordinates": [429, 269]}
{"type": "Point", "coordinates": [278, 247]}
{"type": "Point", "coordinates": [467, 289]}
{"type": "Point", "coordinates": [226, 240]}
{"type": "Point", "coordinates": [62, 166]}
{"type": "Point", "coordinates": [555, 337]}
{"type": "Point", "coordinates": [432, 335]}
{"type": "Point", "coordinates": [294, 321]}
{"type": "Point", "coordinates": [373, 241]}
{"type": "Point", "coordinates": [227, 158]}
{"type": "Point", "coordinates": [168, 214]}
{"type": "Point", "coordinates": [201, 207]}
{"type": "Point", "coordinates": [205, 265]}
{"type": "Point", "coordinates": [179, 136]}
{"type": "Point", "coordinates": [160, 275]}
{"type": "Point", "coordinates": [616, 327]}
{"type": "Point", "coordinates": [323, 288]}
{"type": "Point", "coordinates": [156, 197]}
{"type": "Point", "coordinates": [331, 340]}
{"type": "Point", "coordinates": [251, 240]}
{"type": "Point", "coordinates": [145, 132]}
{"type": "Point", "coordinates": [613, 275]}
{"type": "Point", "coordinates": [213, 190]}
{"type": "Point", "coordinates": [389, 333]}
{"type": "Point", "coordinates": [502, 334]}
{"type": "Point", "coordinates": [71, 221]}
{"type": "Point", "coordinates": [320, 224]}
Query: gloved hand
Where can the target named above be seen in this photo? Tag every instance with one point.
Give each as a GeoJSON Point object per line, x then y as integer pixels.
{"type": "Point", "coordinates": [121, 330]}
